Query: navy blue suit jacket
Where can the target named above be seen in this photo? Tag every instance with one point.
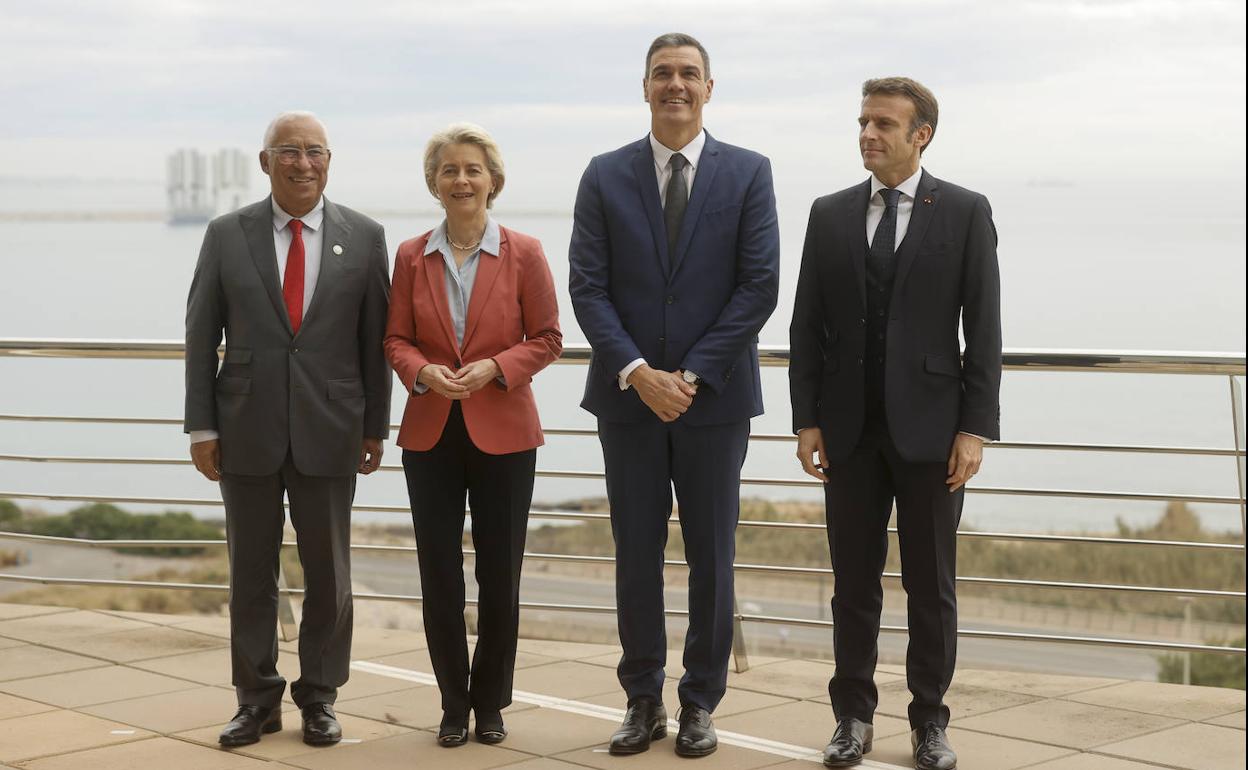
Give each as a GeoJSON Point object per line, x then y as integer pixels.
{"type": "Point", "coordinates": [700, 308]}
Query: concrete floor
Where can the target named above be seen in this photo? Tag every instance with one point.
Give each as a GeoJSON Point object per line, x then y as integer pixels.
{"type": "Point", "coordinates": [102, 690]}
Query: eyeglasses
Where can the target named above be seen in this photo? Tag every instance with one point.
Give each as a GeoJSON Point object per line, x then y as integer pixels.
{"type": "Point", "coordinates": [288, 156]}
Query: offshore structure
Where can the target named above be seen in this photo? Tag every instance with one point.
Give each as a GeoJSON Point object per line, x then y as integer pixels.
{"type": "Point", "coordinates": [201, 187]}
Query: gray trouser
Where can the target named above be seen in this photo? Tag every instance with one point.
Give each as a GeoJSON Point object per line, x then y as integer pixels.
{"type": "Point", "coordinates": [320, 509]}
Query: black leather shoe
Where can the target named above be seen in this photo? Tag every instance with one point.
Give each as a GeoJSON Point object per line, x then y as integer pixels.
{"type": "Point", "coordinates": [931, 748]}
{"type": "Point", "coordinates": [453, 731]}
{"type": "Point", "coordinates": [247, 725]}
{"type": "Point", "coordinates": [320, 726]}
{"type": "Point", "coordinates": [851, 740]}
{"type": "Point", "coordinates": [489, 727]}
{"type": "Point", "coordinates": [645, 721]}
{"type": "Point", "coordinates": [696, 737]}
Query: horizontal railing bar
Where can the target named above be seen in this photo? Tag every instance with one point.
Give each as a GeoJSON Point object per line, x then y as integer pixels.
{"type": "Point", "coordinates": [606, 609]}
{"type": "Point", "coordinates": [1017, 635]}
{"type": "Point", "coordinates": [1033, 359]}
{"type": "Point", "coordinates": [748, 480]}
{"type": "Point", "coordinates": [595, 516]}
{"type": "Point", "coordinates": [768, 437]}
{"type": "Point", "coordinates": [678, 563]}
{"type": "Point", "coordinates": [772, 437]}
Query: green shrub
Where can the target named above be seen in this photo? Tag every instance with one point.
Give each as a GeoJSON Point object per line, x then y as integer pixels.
{"type": "Point", "coordinates": [1208, 669]}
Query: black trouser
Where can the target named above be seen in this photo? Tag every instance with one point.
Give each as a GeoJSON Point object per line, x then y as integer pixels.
{"type": "Point", "coordinates": [320, 509]}
{"type": "Point", "coordinates": [859, 496]}
{"type": "Point", "coordinates": [643, 463]}
{"type": "Point", "coordinates": [499, 489]}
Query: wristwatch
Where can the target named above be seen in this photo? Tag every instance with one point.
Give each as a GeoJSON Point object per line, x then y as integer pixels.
{"type": "Point", "coordinates": [690, 377]}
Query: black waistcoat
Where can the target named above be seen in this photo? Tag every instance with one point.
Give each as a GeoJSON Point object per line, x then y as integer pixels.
{"type": "Point", "coordinates": [880, 276]}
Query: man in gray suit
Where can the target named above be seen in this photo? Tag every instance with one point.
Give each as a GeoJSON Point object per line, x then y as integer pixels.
{"type": "Point", "coordinates": [300, 288]}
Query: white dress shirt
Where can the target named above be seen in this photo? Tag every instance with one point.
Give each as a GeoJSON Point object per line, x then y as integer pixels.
{"type": "Point", "coordinates": [663, 174]}
{"type": "Point", "coordinates": [905, 206]}
{"type": "Point", "coordinates": [313, 238]}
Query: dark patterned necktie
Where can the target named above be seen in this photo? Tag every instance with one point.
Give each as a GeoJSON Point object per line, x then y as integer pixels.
{"type": "Point", "coordinates": [675, 203]}
{"type": "Point", "coordinates": [884, 244]}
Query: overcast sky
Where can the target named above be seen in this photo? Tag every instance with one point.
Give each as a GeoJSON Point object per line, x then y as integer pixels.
{"type": "Point", "coordinates": [1126, 91]}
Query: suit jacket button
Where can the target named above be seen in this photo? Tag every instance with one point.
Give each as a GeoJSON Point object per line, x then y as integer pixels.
{"type": "Point", "coordinates": [294, 350]}
{"type": "Point", "coordinates": [662, 339]}
{"type": "Point", "coordinates": [860, 360]}
{"type": "Point", "coordinates": [862, 322]}
{"type": "Point", "coordinates": [670, 299]}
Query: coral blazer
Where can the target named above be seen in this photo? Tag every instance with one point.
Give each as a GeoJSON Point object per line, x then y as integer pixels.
{"type": "Point", "coordinates": [513, 317]}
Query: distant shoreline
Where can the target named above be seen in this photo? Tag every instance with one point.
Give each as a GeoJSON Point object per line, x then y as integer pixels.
{"type": "Point", "coordinates": [163, 216]}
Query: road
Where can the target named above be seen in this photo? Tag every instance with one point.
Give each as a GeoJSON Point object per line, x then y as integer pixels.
{"type": "Point", "coordinates": [389, 574]}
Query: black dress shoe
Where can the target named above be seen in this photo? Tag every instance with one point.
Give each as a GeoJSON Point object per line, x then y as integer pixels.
{"type": "Point", "coordinates": [645, 721]}
{"type": "Point", "coordinates": [851, 740]}
{"type": "Point", "coordinates": [931, 748]}
{"type": "Point", "coordinates": [696, 737]}
{"type": "Point", "coordinates": [489, 727]}
{"type": "Point", "coordinates": [247, 725]}
{"type": "Point", "coordinates": [453, 731]}
{"type": "Point", "coordinates": [320, 726]}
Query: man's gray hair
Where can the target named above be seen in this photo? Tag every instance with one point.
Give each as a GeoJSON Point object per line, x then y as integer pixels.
{"type": "Point", "coordinates": [270, 133]}
{"type": "Point", "coordinates": [678, 40]}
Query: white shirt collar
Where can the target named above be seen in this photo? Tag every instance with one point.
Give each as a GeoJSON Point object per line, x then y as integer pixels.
{"type": "Point", "coordinates": [490, 240]}
{"type": "Point", "coordinates": [691, 151]}
{"type": "Point", "coordinates": [311, 220]}
{"type": "Point", "coordinates": [909, 188]}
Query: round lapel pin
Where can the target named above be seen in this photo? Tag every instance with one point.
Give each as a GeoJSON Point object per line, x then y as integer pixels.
{"type": "Point", "coordinates": [338, 249]}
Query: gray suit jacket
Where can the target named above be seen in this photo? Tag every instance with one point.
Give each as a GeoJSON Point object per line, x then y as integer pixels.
{"type": "Point", "coordinates": [317, 393]}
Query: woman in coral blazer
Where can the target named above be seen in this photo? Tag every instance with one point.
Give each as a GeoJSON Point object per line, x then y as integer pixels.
{"type": "Point", "coordinates": [473, 316]}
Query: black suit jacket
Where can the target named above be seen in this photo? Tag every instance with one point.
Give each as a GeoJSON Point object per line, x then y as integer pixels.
{"type": "Point", "coordinates": [946, 269]}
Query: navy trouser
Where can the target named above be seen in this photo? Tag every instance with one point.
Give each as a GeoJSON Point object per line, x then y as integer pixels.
{"type": "Point", "coordinates": [643, 462]}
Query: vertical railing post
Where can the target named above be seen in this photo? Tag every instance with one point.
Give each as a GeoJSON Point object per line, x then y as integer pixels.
{"type": "Point", "coordinates": [1237, 416]}
{"type": "Point", "coordinates": [740, 662]}
{"type": "Point", "coordinates": [286, 620]}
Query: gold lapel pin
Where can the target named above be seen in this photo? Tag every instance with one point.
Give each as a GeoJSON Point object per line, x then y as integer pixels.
{"type": "Point", "coordinates": [338, 249]}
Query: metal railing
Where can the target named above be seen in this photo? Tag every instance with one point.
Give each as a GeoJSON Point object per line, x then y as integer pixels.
{"type": "Point", "coordinates": [1230, 365]}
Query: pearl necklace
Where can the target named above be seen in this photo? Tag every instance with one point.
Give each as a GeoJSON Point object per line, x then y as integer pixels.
{"type": "Point", "coordinates": [465, 247]}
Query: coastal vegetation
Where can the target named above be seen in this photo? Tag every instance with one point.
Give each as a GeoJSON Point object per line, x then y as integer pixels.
{"type": "Point", "coordinates": [1128, 565]}
{"type": "Point", "coordinates": [1143, 565]}
{"type": "Point", "coordinates": [101, 521]}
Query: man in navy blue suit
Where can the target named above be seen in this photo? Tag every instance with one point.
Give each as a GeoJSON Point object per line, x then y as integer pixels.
{"type": "Point", "coordinates": [675, 260]}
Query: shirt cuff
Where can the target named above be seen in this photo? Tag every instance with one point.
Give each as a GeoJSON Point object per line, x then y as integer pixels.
{"type": "Point", "coordinates": [200, 436]}
{"type": "Point", "coordinates": [419, 388]}
{"type": "Point", "coordinates": [629, 369]}
{"type": "Point", "coordinates": [976, 435]}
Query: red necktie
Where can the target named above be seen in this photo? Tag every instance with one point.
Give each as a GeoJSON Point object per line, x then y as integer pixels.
{"type": "Point", "coordinates": [292, 283]}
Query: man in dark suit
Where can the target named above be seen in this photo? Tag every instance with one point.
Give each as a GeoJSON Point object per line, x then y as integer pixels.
{"type": "Point", "coordinates": [674, 270]}
{"type": "Point", "coordinates": [300, 288]}
{"type": "Point", "coordinates": [894, 413]}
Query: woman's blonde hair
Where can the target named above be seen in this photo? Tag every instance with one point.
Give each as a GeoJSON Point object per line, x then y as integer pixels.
{"type": "Point", "coordinates": [464, 133]}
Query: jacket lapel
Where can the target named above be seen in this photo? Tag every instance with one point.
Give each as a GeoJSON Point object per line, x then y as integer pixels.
{"type": "Point", "coordinates": [488, 268]}
{"type": "Point", "coordinates": [856, 232]}
{"type": "Point", "coordinates": [435, 276]}
{"type": "Point", "coordinates": [257, 222]}
{"type": "Point", "coordinates": [925, 203]}
{"type": "Point", "coordinates": [335, 231]}
{"type": "Point", "coordinates": [648, 186]}
{"type": "Point", "coordinates": [703, 183]}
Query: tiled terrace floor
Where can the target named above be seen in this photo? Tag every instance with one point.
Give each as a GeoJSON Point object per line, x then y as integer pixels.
{"type": "Point", "coordinates": [113, 691]}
